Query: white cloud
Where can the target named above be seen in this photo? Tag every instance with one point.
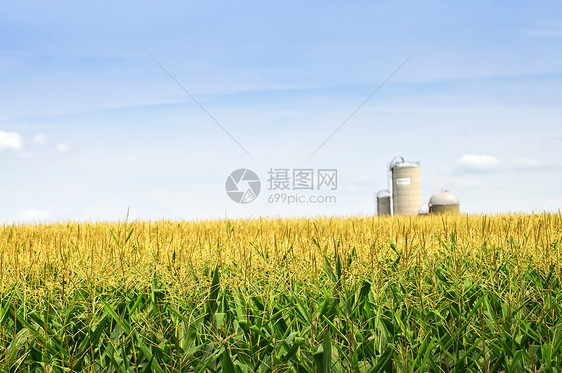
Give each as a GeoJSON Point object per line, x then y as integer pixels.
{"type": "Point", "coordinates": [525, 164]}
{"type": "Point", "coordinates": [34, 215]}
{"type": "Point", "coordinates": [544, 33]}
{"type": "Point", "coordinates": [10, 141]}
{"type": "Point", "coordinates": [472, 163]}
{"type": "Point", "coordinates": [40, 139]}
{"type": "Point", "coordinates": [24, 155]}
{"type": "Point", "coordinates": [63, 147]}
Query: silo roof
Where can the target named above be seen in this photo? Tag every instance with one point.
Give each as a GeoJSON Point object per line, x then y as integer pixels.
{"type": "Point", "coordinates": [443, 197]}
{"type": "Point", "coordinates": [383, 194]}
{"type": "Point", "coordinates": [406, 164]}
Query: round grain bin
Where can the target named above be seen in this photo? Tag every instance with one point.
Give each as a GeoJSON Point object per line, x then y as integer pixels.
{"type": "Point", "coordinates": [406, 187]}
{"type": "Point", "coordinates": [424, 209]}
{"type": "Point", "coordinates": [444, 202]}
{"type": "Point", "coordinates": [383, 203]}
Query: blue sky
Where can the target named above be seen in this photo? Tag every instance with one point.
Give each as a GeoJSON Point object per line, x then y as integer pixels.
{"type": "Point", "coordinates": [91, 126]}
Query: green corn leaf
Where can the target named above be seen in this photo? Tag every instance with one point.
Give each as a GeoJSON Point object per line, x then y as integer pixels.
{"type": "Point", "coordinates": [226, 363]}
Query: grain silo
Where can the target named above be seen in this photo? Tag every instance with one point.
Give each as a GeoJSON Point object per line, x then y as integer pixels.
{"type": "Point", "coordinates": [444, 202]}
{"type": "Point", "coordinates": [424, 209]}
{"type": "Point", "coordinates": [383, 203]}
{"type": "Point", "coordinates": [406, 186]}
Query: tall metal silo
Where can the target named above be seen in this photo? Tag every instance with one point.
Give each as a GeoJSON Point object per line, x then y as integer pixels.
{"type": "Point", "coordinates": [406, 186]}
{"type": "Point", "coordinates": [383, 203]}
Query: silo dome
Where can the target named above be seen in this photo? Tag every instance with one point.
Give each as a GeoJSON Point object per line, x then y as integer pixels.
{"type": "Point", "coordinates": [444, 202]}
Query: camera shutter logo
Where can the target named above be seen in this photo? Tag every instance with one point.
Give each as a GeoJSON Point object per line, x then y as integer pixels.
{"type": "Point", "coordinates": [243, 186]}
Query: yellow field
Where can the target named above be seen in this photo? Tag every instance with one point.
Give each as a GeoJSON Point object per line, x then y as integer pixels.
{"type": "Point", "coordinates": [104, 253]}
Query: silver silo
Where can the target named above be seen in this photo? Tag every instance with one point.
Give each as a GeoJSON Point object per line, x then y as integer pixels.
{"type": "Point", "coordinates": [444, 202]}
{"type": "Point", "coordinates": [424, 209]}
{"type": "Point", "coordinates": [383, 203]}
{"type": "Point", "coordinates": [406, 186]}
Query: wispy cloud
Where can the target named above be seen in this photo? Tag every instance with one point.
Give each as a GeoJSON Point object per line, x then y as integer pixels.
{"type": "Point", "coordinates": [34, 215]}
{"type": "Point", "coordinates": [40, 139]}
{"type": "Point", "coordinates": [485, 163]}
{"type": "Point", "coordinates": [473, 163]}
{"type": "Point", "coordinates": [525, 164]}
{"type": "Point", "coordinates": [63, 147]}
{"type": "Point", "coordinates": [25, 155]}
{"type": "Point", "coordinates": [545, 33]}
{"type": "Point", "coordinates": [10, 141]}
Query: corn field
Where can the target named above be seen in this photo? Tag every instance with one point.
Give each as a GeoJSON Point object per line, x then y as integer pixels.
{"type": "Point", "coordinates": [360, 294]}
